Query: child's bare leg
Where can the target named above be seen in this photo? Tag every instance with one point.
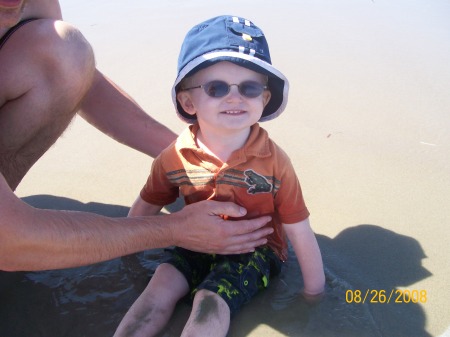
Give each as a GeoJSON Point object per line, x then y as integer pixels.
{"type": "Point", "coordinates": [210, 316]}
{"type": "Point", "coordinates": [154, 307]}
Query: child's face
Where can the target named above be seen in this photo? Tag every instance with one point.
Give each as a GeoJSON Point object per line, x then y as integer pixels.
{"type": "Point", "coordinates": [232, 112]}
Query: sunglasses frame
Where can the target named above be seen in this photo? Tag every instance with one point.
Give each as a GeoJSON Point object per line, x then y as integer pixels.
{"type": "Point", "coordinates": [207, 85]}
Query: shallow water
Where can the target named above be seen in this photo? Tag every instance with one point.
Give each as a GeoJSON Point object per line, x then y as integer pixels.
{"type": "Point", "coordinates": [90, 301]}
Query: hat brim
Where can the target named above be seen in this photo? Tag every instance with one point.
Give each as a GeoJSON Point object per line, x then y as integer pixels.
{"type": "Point", "coordinates": [277, 83]}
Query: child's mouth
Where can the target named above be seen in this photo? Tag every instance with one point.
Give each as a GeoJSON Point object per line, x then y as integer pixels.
{"type": "Point", "coordinates": [233, 112]}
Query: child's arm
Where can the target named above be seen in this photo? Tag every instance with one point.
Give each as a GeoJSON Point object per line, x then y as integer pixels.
{"type": "Point", "coordinates": [142, 208]}
{"type": "Point", "coordinates": [308, 255]}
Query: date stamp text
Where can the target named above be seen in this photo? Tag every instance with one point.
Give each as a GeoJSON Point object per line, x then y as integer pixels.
{"type": "Point", "coordinates": [386, 296]}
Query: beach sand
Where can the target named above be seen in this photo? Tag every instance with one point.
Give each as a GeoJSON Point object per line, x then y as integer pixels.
{"type": "Point", "coordinates": [367, 128]}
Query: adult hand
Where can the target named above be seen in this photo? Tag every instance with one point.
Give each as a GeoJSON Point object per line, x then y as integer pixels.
{"type": "Point", "coordinates": [201, 227]}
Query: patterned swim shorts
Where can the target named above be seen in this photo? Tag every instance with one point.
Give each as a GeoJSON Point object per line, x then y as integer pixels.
{"type": "Point", "coordinates": [235, 278]}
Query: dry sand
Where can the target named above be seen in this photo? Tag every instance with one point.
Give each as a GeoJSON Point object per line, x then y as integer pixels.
{"type": "Point", "coordinates": [367, 124]}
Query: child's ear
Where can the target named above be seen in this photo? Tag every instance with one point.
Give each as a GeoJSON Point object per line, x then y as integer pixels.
{"type": "Point", "coordinates": [185, 100]}
{"type": "Point", "coordinates": [266, 97]}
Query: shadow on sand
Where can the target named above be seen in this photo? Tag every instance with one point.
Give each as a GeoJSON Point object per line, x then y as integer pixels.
{"type": "Point", "coordinates": [90, 301]}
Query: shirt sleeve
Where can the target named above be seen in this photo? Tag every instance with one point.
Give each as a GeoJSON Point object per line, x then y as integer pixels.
{"type": "Point", "coordinates": [158, 190]}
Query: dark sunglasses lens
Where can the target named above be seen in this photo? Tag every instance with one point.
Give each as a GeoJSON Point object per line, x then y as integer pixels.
{"type": "Point", "coordinates": [216, 89]}
{"type": "Point", "coordinates": [251, 89]}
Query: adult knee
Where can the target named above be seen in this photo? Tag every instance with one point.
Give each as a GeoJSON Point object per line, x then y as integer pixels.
{"type": "Point", "coordinates": [66, 57]}
{"type": "Point", "coordinates": [47, 67]}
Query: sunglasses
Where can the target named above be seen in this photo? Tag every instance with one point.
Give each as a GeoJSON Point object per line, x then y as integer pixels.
{"type": "Point", "coordinates": [219, 89]}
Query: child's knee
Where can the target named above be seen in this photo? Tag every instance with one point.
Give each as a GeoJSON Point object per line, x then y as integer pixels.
{"type": "Point", "coordinates": [209, 305]}
{"type": "Point", "coordinates": [168, 285]}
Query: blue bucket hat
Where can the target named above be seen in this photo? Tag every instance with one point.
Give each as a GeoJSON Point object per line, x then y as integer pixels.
{"type": "Point", "coordinates": [233, 39]}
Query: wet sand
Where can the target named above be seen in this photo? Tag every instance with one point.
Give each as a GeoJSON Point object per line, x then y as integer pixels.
{"type": "Point", "coordinates": [367, 130]}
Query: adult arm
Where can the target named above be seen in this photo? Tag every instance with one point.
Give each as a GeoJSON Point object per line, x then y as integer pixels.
{"type": "Point", "coordinates": [115, 113]}
{"type": "Point", "coordinates": [308, 255]}
{"type": "Point", "coordinates": [38, 239]}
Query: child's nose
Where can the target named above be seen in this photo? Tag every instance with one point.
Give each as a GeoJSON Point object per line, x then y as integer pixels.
{"type": "Point", "coordinates": [234, 92]}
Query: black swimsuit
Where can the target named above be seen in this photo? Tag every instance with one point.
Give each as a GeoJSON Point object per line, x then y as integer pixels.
{"type": "Point", "coordinates": [11, 31]}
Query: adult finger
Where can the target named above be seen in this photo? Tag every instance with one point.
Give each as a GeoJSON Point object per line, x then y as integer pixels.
{"type": "Point", "coordinates": [244, 241]}
{"type": "Point", "coordinates": [226, 208]}
{"type": "Point", "coordinates": [254, 226]}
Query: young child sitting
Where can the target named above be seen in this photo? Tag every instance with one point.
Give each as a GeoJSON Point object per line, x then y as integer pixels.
{"type": "Point", "coordinates": [225, 86]}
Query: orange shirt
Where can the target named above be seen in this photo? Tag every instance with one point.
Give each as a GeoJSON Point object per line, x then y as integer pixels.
{"type": "Point", "coordinates": [259, 177]}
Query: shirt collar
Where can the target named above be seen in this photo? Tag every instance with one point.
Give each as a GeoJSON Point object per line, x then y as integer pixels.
{"type": "Point", "coordinates": [257, 144]}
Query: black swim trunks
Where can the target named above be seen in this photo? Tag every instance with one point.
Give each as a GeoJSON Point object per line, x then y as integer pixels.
{"type": "Point", "coordinates": [235, 278]}
{"type": "Point", "coordinates": [11, 31]}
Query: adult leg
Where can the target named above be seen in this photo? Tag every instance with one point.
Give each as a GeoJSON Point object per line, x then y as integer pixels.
{"type": "Point", "coordinates": [210, 316]}
{"type": "Point", "coordinates": [154, 307]}
{"type": "Point", "coordinates": [46, 68]}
